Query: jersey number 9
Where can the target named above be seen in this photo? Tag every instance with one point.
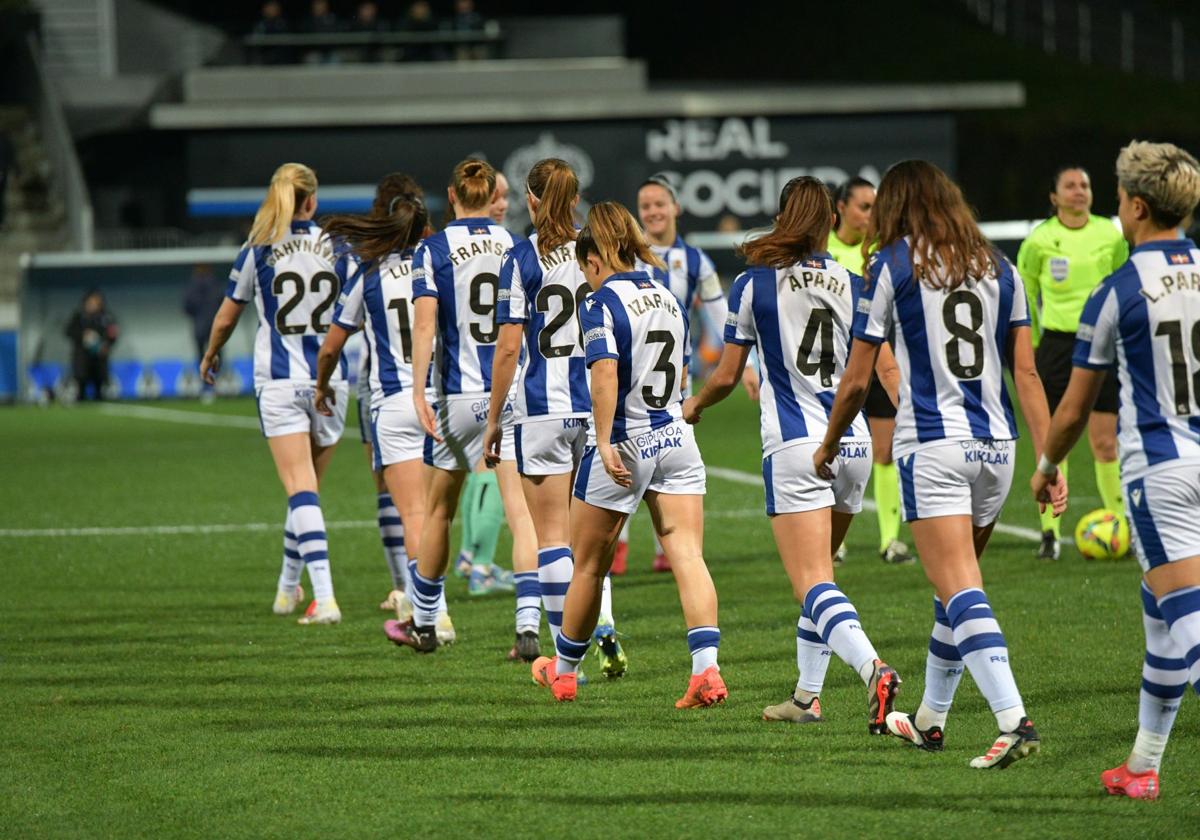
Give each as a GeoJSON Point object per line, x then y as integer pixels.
{"type": "Point", "coordinates": [485, 308]}
{"type": "Point", "coordinates": [291, 278]}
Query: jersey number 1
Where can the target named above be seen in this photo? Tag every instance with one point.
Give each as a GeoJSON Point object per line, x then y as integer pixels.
{"type": "Point", "coordinates": [1173, 331]}
{"type": "Point", "coordinates": [404, 327]}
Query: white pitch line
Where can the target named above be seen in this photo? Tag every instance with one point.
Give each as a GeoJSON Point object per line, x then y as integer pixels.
{"type": "Point", "coordinates": [752, 480]}
{"type": "Point", "coordinates": [171, 530]}
{"type": "Point", "coordinates": [196, 418]}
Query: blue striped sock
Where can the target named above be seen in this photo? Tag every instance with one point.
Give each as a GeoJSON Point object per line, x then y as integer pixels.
{"type": "Point", "coordinates": [570, 653]}
{"type": "Point", "coordinates": [837, 623]}
{"type": "Point", "coordinates": [555, 567]}
{"type": "Point", "coordinates": [425, 594]}
{"type": "Point", "coordinates": [1164, 682]}
{"type": "Point", "coordinates": [391, 533]}
{"type": "Point", "coordinates": [308, 524]}
{"type": "Point", "coordinates": [703, 642]}
{"type": "Point", "coordinates": [1181, 610]}
{"type": "Point", "coordinates": [293, 563]}
{"type": "Point", "coordinates": [812, 656]}
{"type": "Point", "coordinates": [529, 602]}
{"type": "Point", "coordinates": [981, 645]}
{"type": "Point", "coordinates": [943, 665]}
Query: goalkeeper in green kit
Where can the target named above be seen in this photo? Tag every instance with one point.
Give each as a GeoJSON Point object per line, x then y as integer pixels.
{"type": "Point", "coordinates": [1061, 261]}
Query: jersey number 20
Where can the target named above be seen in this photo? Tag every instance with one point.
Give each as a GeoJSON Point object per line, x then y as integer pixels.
{"type": "Point", "coordinates": [568, 307]}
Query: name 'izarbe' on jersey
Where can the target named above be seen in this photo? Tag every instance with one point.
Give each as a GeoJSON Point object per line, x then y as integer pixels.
{"type": "Point", "coordinates": [800, 319]}
{"type": "Point", "coordinates": [544, 292]}
{"type": "Point", "coordinates": [460, 266]}
{"type": "Point", "coordinates": [294, 283]}
{"type": "Point", "coordinates": [1144, 319]}
{"type": "Point", "coordinates": [637, 322]}
{"type": "Point", "coordinates": [379, 299]}
{"type": "Point", "coordinates": [951, 344]}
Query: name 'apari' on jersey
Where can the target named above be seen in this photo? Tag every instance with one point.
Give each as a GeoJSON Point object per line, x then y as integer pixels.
{"type": "Point", "coordinates": [544, 292]}
{"type": "Point", "coordinates": [379, 300]}
{"type": "Point", "coordinates": [641, 325]}
{"type": "Point", "coordinates": [460, 267]}
{"type": "Point", "coordinates": [800, 319]}
{"type": "Point", "coordinates": [951, 346]}
{"type": "Point", "coordinates": [294, 284]}
{"type": "Point", "coordinates": [1144, 320]}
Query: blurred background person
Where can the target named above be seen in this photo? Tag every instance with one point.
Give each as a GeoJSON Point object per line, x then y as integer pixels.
{"type": "Point", "coordinates": [467, 19]}
{"type": "Point", "coordinates": [1061, 262]}
{"type": "Point", "coordinates": [200, 303]}
{"type": "Point", "coordinates": [321, 21]}
{"type": "Point", "coordinates": [419, 18]}
{"type": "Point", "coordinates": [272, 22]}
{"type": "Point", "coordinates": [93, 331]}
{"type": "Point", "coordinates": [366, 21]}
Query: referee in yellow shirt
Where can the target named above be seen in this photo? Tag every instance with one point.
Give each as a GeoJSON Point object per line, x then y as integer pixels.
{"type": "Point", "coordinates": [1061, 261]}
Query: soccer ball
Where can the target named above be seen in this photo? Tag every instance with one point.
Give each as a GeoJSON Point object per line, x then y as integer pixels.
{"type": "Point", "coordinates": [1102, 535]}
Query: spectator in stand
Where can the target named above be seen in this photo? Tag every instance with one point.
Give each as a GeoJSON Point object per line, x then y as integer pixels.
{"type": "Point", "coordinates": [366, 20]}
{"type": "Point", "coordinates": [321, 21]}
{"type": "Point", "coordinates": [419, 18]}
{"type": "Point", "coordinates": [203, 298]}
{"type": "Point", "coordinates": [93, 331]}
{"type": "Point", "coordinates": [466, 19]}
{"type": "Point", "coordinates": [272, 22]}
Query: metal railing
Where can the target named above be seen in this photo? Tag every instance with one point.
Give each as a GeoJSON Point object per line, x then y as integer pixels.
{"type": "Point", "coordinates": [382, 45]}
{"type": "Point", "coordinates": [1143, 41]}
{"type": "Point", "coordinates": [58, 146]}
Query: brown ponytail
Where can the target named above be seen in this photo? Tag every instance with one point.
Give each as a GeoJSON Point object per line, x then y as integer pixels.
{"type": "Point", "coordinates": [613, 236]}
{"type": "Point", "coordinates": [801, 229]}
{"type": "Point", "coordinates": [554, 184]}
{"type": "Point", "coordinates": [474, 183]}
{"type": "Point", "coordinates": [291, 185]}
{"type": "Point", "coordinates": [400, 226]}
{"type": "Point", "coordinates": [392, 185]}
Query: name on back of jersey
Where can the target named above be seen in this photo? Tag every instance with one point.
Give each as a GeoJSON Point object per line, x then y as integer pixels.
{"type": "Point", "coordinates": [478, 248]}
{"type": "Point", "coordinates": [322, 248]}
{"type": "Point", "coordinates": [557, 257]}
{"type": "Point", "coordinates": [1171, 283]}
{"type": "Point", "coordinates": [651, 301]}
{"type": "Point", "coordinates": [816, 279]}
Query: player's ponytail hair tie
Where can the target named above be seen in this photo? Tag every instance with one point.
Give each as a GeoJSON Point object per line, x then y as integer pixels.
{"type": "Point", "coordinates": [473, 183]}
{"type": "Point", "coordinates": [291, 185]}
{"type": "Point", "coordinates": [555, 187]}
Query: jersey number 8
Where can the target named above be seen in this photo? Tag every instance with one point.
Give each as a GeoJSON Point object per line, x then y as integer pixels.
{"type": "Point", "coordinates": [298, 288]}
{"type": "Point", "coordinates": [963, 334]}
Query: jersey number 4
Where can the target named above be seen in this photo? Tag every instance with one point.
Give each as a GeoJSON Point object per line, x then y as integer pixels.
{"type": "Point", "coordinates": [291, 278]}
{"type": "Point", "coordinates": [819, 330]}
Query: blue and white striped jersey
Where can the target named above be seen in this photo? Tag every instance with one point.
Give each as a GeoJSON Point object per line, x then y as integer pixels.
{"type": "Point", "coordinates": [544, 292]}
{"type": "Point", "coordinates": [294, 284]}
{"type": "Point", "coordinates": [1144, 321]}
{"type": "Point", "coordinates": [951, 346]}
{"type": "Point", "coordinates": [634, 320]}
{"type": "Point", "coordinates": [689, 271]}
{"type": "Point", "coordinates": [800, 319]}
{"type": "Point", "coordinates": [379, 299]}
{"type": "Point", "coordinates": [460, 266]}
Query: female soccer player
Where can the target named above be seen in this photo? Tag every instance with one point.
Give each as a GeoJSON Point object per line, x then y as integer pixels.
{"type": "Point", "coordinates": [635, 333]}
{"type": "Point", "coordinates": [691, 277]}
{"type": "Point", "coordinates": [794, 296]}
{"type": "Point", "coordinates": [287, 268]}
{"type": "Point", "coordinates": [960, 317]}
{"type": "Point", "coordinates": [455, 290]}
{"type": "Point", "coordinates": [1061, 262]}
{"type": "Point", "coordinates": [541, 289]}
{"type": "Point", "coordinates": [852, 203]}
{"type": "Point", "coordinates": [1143, 324]}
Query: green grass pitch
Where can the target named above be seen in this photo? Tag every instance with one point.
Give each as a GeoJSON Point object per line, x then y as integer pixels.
{"type": "Point", "coordinates": [146, 689]}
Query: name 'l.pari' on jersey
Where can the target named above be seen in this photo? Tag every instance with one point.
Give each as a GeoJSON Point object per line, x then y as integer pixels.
{"type": "Point", "coordinates": [544, 293]}
{"type": "Point", "coordinates": [799, 318]}
{"type": "Point", "coordinates": [951, 346]}
{"type": "Point", "coordinates": [460, 267]}
{"type": "Point", "coordinates": [379, 300]}
{"type": "Point", "coordinates": [635, 321]}
{"type": "Point", "coordinates": [1144, 320]}
{"type": "Point", "coordinates": [294, 284]}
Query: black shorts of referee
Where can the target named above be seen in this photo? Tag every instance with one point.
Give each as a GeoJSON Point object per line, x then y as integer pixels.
{"type": "Point", "coordinates": [1053, 359]}
{"type": "Point", "coordinates": [878, 404]}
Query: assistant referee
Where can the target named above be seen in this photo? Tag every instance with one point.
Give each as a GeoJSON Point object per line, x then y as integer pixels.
{"type": "Point", "coordinates": [1061, 261]}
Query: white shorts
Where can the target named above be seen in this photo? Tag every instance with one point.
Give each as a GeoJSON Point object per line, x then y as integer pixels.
{"type": "Point", "coordinates": [665, 460]}
{"type": "Point", "coordinates": [549, 446]}
{"type": "Point", "coordinates": [285, 407]}
{"type": "Point", "coordinates": [508, 445]}
{"type": "Point", "coordinates": [396, 431]}
{"type": "Point", "coordinates": [1162, 510]}
{"type": "Point", "coordinates": [957, 478]}
{"type": "Point", "coordinates": [461, 423]}
{"type": "Point", "coordinates": [793, 485]}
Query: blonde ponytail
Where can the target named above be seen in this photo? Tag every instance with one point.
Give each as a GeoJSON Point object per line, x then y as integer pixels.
{"type": "Point", "coordinates": [291, 185]}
